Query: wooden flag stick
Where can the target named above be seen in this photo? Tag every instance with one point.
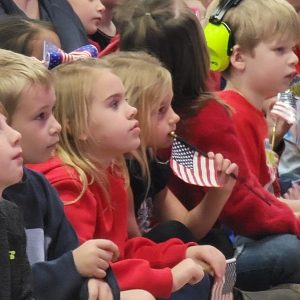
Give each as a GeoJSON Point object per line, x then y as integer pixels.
{"type": "Point", "coordinates": [274, 135]}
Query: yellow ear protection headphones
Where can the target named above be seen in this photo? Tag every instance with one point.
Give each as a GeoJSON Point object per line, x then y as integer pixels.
{"type": "Point", "coordinates": [219, 37]}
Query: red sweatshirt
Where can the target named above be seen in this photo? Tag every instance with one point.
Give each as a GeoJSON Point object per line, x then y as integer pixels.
{"type": "Point", "coordinates": [252, 130]}
{"type": "Point", "coordinates": [142, 264]}
{"type": "Point", "coordinates": [212, 129]}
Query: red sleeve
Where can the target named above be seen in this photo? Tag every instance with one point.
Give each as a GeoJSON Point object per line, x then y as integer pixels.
{"type": "Point", "coordinates": [83, 213]}
{"type": "Point", "coordinates": [137, 274]}
{"type": "Point", "coordinates": [245, 212]}
{"type": "Point", "coordinates": [168, 253]}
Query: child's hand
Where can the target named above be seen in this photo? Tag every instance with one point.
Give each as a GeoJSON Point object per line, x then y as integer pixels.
{"type": "Point", "coordinates": [187, 271]}
{"type": "Point", "coordinates": [225, 168]}
{"type": "Point", "coordinates": [209, 257]}
{"type": "Point", "coordinates": [293, 192]}
{"type": "Point", "coordinates": [98, 289]}
{"type": "Point", "coordinates": [92, 257]}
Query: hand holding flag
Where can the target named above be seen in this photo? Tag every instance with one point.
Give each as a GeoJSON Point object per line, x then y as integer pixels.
{"type": "Point", "coordinates": [194, 167]}
{"type": "Point", "coordinates": [222, 290]}
{"type": "Point", "coordinates": [283, 112]}
{"type": "Point", "coordinates": [185, 156]}
{"type": "Point", "coordinates": [285, 108]}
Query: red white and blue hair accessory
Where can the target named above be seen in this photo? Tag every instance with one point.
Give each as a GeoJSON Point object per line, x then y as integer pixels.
{"type": "Point", "coordinates": [54, 56]}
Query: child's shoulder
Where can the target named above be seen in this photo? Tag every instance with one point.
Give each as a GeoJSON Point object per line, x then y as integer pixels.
{"type": "Point", "coordinates": [10, 214]}
{"type": "Point", "coordinates": [54, 169]}
{"type": "Point", "coordinates": [7, 207]}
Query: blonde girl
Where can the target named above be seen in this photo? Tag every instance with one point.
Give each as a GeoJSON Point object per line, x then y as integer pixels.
{"type": "Point", "coordinates": [149, 88]}
{"type": "Point", "coordinates": [98, 127]}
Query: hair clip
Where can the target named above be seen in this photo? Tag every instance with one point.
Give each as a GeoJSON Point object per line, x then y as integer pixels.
{"type": "Point", "coordinates": [54, 56]}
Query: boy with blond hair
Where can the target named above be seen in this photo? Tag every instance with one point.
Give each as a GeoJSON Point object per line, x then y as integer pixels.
{"type": "Point", "coordinates": [260, 63]}
{"type": "Point", "coordinates": [61, 270]}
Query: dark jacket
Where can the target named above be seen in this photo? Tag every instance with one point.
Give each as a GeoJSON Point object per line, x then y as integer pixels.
{"type": "Point", "coordinates": [15, 279]}
{"type": "Point", "coordinates": [50, 240]}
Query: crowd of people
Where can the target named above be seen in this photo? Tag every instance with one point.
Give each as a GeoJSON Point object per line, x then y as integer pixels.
{"type": "Point", "coordinates": [90, 208]}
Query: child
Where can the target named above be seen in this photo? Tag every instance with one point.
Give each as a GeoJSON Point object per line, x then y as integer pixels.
{"type": "Point", "coordinates": [15, 269]}
{"type": "Point", "coordinates": [106, 30]}
{"type": "Point", "coordinates": [245, 94]}
{"type": "Point", "coordinates": [26, 36]}
{"type": "Point", "coordinates": [59, 12]}
{"type": "Point", "coordinates": [274, 51]}
{"type": "Point", "coordinates": [170, 31]}
{"type": "Point", "coordinates": [27, 93]}
{"type": "Point", "coordinates": [96, 18]}
{"type": "Point", "coordinates": [90, 15]}
{"type": "Point", "coordinates": [98, 127]}
{"type": "Point", "coordinates": [152, 198]}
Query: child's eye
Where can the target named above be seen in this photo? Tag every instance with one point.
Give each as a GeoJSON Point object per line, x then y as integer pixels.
{"type": "Point", "coordinates": [41, 116]}
{"type": "Point", "coordinates": [162, 110]}
{"type": "Point", "coordinates": [280, 49]}
{"type": "Point", "coordinates": [115, 103]}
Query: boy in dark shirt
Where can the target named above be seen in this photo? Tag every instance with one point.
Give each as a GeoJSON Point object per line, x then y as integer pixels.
{"type": "Point", "coordinates": [14, 266]}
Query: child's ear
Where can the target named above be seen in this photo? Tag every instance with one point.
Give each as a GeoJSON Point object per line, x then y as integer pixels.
{"type": "Point", "coordinates": [237, 58]}
{"type": "Point", "coordinates": [82, 136]}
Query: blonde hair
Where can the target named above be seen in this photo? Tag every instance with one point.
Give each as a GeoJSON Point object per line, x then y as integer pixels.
{"type": "Point", "coordinates": [17, 73]}
{"type": "Point", "coordinates": [73, 87]}
{"type": "Point", "coordinates": [146, 83]}
{"type": "Point", "coordinates": [2, 110]}
{"type": "Point", "coordinates": [256, 21]}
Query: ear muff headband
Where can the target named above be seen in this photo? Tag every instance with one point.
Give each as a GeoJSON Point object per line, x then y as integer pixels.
{"type": "Point", "coordinates": [219, 37]}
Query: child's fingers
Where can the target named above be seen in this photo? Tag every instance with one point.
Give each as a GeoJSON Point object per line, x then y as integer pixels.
{"type": "Point", "coordinates": [109, 246]}
{"type": "Point", "coordinates": [218, 158]}
{"type": "Point", "coordinates": [232, 169]}
{"type": "Point", "coordinates": [99, 273]}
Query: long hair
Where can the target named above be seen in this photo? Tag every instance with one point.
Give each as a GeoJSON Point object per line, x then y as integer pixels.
{"type": "Point", "coordinates": [73, 86]}
{"type": "Point", "coordinates": [146, 83]}
{"type": "Point", "coordinates": [170, 31]}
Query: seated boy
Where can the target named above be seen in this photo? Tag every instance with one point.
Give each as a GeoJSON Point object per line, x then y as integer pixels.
{"type": "Point", "coordinates": [259, 63]}
{"type": "Point", "coordinates": [14, 266]}
{"type": "Point", "coordinates": [60, 270]}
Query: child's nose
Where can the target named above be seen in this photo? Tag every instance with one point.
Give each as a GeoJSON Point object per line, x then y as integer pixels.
{"type": "Point", "coordinates": [294, 58]}
{"type": "Point", "coordinates": [55, 127]}
{"type": "Point", "coordinates": [16, 136]}
{"type": "Point", "coordinates": [132, 111]}
{"type": "Point", "coordinates": [100, 6]}
{"type": "Point", "coordinates": [174, 119]}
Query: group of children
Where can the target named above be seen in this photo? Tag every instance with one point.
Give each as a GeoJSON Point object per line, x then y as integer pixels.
{"type": "Point", "coordinates": [110, 221]}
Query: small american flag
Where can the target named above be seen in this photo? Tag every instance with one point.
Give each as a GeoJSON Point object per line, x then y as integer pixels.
{"type": "Point", "coordinates": [223, 290]}
{"type": "Point", "coordinates": [191, 166]}
{"type": "Point", "coordinates": [285, 107]}
{"type": "Point", "coordinates": [54, 56]}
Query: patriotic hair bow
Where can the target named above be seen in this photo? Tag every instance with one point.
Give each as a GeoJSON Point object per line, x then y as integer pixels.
{"type": "Point", "coordinates": [53, 56]}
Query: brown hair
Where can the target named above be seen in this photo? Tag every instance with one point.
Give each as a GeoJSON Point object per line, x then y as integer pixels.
{"type": "Point", "coordinates": [170, 31]}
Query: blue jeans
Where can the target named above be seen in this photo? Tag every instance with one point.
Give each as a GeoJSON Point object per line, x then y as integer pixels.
{"type": "Point", "coordinates": [286, 181]}
{"type": "Point", "coordinates": [267, 262]}
{"type": "Point", "coordinates": [199, 291]}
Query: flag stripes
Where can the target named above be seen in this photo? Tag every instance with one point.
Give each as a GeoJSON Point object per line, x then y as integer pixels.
{"type": "Point", "coordinates": [222, 290]}
{"type": "Point", "coordinates": [191, 166]}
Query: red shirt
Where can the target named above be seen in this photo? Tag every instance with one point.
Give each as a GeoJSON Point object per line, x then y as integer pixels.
{"type": "Point", "coordinates": [212, 129]}
{"type": "Point", "coordinates": [142, 264]}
